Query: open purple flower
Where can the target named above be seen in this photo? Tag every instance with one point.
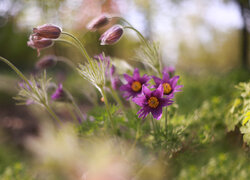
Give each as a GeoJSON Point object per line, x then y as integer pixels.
{"type": "Point", "coordinates": [152, 101]}
{"type": "Point", "coordinates": [169, 84]}
{"type": "Point", "coordinates": [134, 85]}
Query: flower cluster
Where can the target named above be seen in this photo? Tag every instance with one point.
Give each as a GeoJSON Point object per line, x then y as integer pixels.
{"type": "Point", "coordinates": [137, 88]}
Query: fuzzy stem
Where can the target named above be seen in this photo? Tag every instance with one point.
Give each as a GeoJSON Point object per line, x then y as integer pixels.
{"type": "Point", "coordinates": [139, 34]}
{"type": "Point", "coordinates": [73, 44]}
{"type": "Point", "coordinates": [72, 113]}
{"type": "Point", "coordinates": [51, 112]}
{"type": "Point", "coordinates": [19, 73]}
{"type": "Point", "coordinates": [79, 43]}
{"type": "Point", "coordinates": [66, 61]}
{"type": "Point", "coordinates": [119, 101]}
{"type": "Point", "coordinates": [107, 108]}
{"type": "Point", "coordinates": [154, 126]}
{"type": "Point", "coordinates": [122, 19]}
{"type": "Point", "coordinates": [166, 120]}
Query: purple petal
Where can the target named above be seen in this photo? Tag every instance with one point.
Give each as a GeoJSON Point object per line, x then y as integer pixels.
{"type": "Point", "coordinates": [128, 78]}
{"type": "Point", "coordinates": [157, 113]}
{"type": "Point", "coordinates": [165, 77]}
{"type": "Point", "coordinates": [146, 91]}
{"type": "Point", "coordinates": [140, 100]}
{"type": "Point", "coordinates": [157, 81]}
{"type": "Point", "coordinates": [144, 79]}
{"type": "Point", "coordinates": [174, 80]}
{"type": "Point", "coordinates": [142, 113]}
{"type": "Point", "coordinates": [136, 74]}
{"type": "Point", "coordinates": [158, 92]}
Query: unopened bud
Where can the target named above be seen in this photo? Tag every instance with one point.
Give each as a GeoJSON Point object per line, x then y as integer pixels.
{"type": "Point", "coordinates": [48, 31]}
{"type": "Point", "coordinates": [59, 94]}
{"type": "Point", "coordinates": [36, 42]}
{"type": "Point", "coordinates": [98, 22]}
{"type": "Point", "coordinates": [112, 35]}
{"type": "Point", "coordinates": [102, 99]}
{"type": "Point", "coordinates": [46, 62]}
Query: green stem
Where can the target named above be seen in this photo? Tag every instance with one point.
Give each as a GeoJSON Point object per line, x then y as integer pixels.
{"type": "Point", "coordinates": [166, 120]}
{"type": "Point", "coordinates": [19, 73]}
{"type": "Point", "coordinates": [124, 20]}
{"type": "Point", "coordinates": [66, 61]}
{"type": "Point", "coordinates": [139, 34]}
{"type": "Point", "coordinates": [119, 101]}
{"type": "Point", "coordinates": [73, 44]}
{"type": "Point", "coordinates": [80, 44]}
{"type": "Point", "coordinates": [107, 108]}
{"type": "Point", "coordinates": [154, 127]}
{"type": "Point", "coordinates": [72, 113]}
{"type": "Point", "coordinates": [51, 112]}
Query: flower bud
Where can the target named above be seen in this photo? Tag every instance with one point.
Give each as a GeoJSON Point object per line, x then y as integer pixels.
{"type": "Point", "coordinates": [48, 31]}
{"type": "Point", "coordinates": [112, 35]}
{"type": "Point", "coordinates": [46, 62]}
{"type": "Point", "coordinates": [37, 42]}
{"type": "Point", "coordinates": [98, 22]}
{"type": "Point", "coordinates": [59, 94]}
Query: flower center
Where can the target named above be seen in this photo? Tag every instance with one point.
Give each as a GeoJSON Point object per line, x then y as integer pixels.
{"type": "Point", "coordinates": [153, 102]}
{"type": "Point", "coordinates": [136, 86]}
{"type": "Point", "coordinates": [167, 88]}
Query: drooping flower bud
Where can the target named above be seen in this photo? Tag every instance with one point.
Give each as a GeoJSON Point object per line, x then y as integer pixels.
{"type": "Point", "coordinates": [98, 22]}
{"type": "Point", "coordinates": [49, 31]}
{"type": "Point", "coordinates": [59, 94]}
{"type": "Point", "coordinates": [46, 62]}
{"type": "Point", "coordinates": [112, 35]}
{"type": "Point", "coordinates": [37, 42]}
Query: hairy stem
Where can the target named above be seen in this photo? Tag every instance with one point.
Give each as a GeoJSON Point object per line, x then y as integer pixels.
{"type": "Point", "coordinates": [107, 108]}
{"type": "Point", "coordinates": [79, 43]}
{"type": "Point", "coordinates": [51, 112]}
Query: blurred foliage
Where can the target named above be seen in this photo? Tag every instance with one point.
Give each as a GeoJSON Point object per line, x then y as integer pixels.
{"type": "Point", "coordinates": [239, 114]}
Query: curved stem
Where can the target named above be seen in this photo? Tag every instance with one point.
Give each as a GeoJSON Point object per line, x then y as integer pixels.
{"type": "Point", "coordinates": [51, 112]}
{"type": "Point", "coordinates": [139, 34]}
{"type": "Point", "coordinates": [19, 73]}
{"type": "Point", "coordinates": [66, 61]}
{"type": "Point", "coordinates": [79, 43]}
{"type": "Point", "coordinates": [124, 20]}
{"type": "Point", "coordinates": [73, 44]}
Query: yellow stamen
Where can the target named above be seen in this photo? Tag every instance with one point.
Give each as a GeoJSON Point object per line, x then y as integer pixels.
{"type": "Point", "coordinates": [136, 86]}
{"type": "Point", "coordinates": [167, 88]}
{"type": "Point", "coordinates": [153, 102]}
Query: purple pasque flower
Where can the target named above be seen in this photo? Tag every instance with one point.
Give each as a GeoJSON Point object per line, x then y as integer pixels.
{"type": "Point", "coordinates": [169, 84]}
{"type": "Point", "coordinates": [59, 94]}
{"type": "Point", "coordinates": [109, 71]}
{"type": "Point", "coordinates": [112, 35]}
{"type": "Point", "coordinates": [152, 101]}
{"type": "Point", "coordinates": [134, 84]}
{"type": "Point", "coordinates": [49, 31]}
{"type": "Point", "coordinates": [105, 60]}
{"type": "Point", "coordinates": [38, 43]}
